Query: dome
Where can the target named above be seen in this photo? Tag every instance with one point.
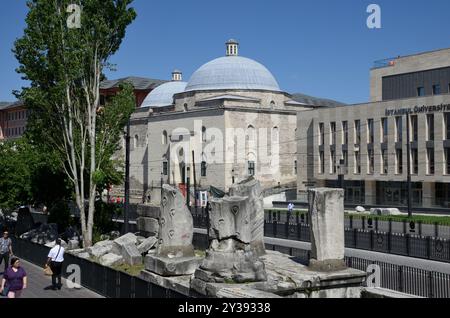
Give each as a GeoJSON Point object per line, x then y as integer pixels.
{"type": "Point", "coordinates": [163, 94]}
{"type": "Point", "coordinates": [232, 72]}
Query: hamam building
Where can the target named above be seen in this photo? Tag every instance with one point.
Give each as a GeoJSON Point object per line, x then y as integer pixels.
{"type": "Point", "coordinates": [367, 143]}
{"type": "Point", "coordinates": [193, 129]}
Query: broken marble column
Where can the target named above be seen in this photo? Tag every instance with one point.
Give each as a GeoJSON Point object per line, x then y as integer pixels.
{"type": "Point", "coordinates": [326, 213]}
{"type": "Point", "coordinates": [230, 258]}
{"type": "Point", "coordinates": [174, 252]}
{"type": "Point", "coordinates": [251, 188]}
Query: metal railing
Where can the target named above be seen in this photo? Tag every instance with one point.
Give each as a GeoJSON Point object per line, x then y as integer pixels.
{"type": "Point", "coordinates": [411, 245]}
{"type": "Point", "coordinates": [404, 279]}
{"type": "Point", "coordinates": [103, 280]}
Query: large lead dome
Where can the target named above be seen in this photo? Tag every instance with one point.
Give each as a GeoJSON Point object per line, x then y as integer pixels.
{"type": "Point", "coordinates": [163, 94]}
{"type": "Point", "coordinates": [232, 72]}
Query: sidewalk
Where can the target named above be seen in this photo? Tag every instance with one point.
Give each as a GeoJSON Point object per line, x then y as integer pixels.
{"type": "Point", "coordinates": [37, 281]}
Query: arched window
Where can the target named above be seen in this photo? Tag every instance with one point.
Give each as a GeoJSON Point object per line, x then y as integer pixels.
{"type": "Point", "coordinates": [164, 138]}
{"type": "Point", "coordinates": [272, 105]}
{"type": "Point", "coordinates": [203, 134]}
{"type": "Point", "coordinates": [185, 107]}
{"type": "Point", "coordinates": [136, 141]}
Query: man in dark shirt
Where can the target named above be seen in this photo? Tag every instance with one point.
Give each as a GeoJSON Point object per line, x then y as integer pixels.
{"type": "Point", "coordinates": [5, 249]}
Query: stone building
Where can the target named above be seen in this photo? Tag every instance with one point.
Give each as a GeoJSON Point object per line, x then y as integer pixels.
{"type": "Point", "coordinates": [13, 120]}
{"type": "Point", "coordinates": [229, 121]}
{"type": "Point", "coordinates": [366, 144]}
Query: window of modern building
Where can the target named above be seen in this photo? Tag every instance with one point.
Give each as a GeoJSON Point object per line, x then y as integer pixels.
{"type": "Point", "coordinates": [398, 129]}
{"type": "Point", "coordinates": [165, 168]}
{"type": "Point", "coordinates": [415, 161]}
{"type": "Point", "coordinates": [332, 162]}
{"type": "Point", "coordinates": [384, 162]}
{"type": "Point", "coordinates": [370, 132]}
{"type": "Point", "coordinates": [357, 132]}
{"type": "Point", "coordinates": [333, 133]}
{"type": "Point", "coordinates": [203, 169]}
{"type": "Point", "coordinates": [321, 162]}
{"type": "Point", "coordinates": [399, 161]}
{"type": "Point", "coordinates": [321, 134]}
{"type": "Point", "coordinates": [384, 130]}
{"type": "Point", "coordinates": [357, 162]}
{"type": "Point", "coordinates": [447, 126]}
{"type": "Point", "coordinates": [164, 138]}
{"type": "Point", "coordinates": [414, 128]}
{"type": "Point", "coordinates": [251, 168]}
{"type": "Point", "coordinates": [430, 127]}
{"type": "Point", "coordinates": [345, 133]}
{"type": "Point", "coordinates": [447, 161]}
{"type": "Point", "coordinates": [437, 89]}
{"type": "Point", "coordinates": [420, 91]}
{"type": "Point", "coordinates": [430, 161]}
{"type": "Point", "coordinates": [371, 161]}
{"type": "Point", "coordinates": [345, 158]}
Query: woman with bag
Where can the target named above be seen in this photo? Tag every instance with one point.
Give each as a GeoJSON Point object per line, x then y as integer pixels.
{"type": "Point", "coordinates": [14, 280]}
{"type": "Point", "coordinates": [54, 262]}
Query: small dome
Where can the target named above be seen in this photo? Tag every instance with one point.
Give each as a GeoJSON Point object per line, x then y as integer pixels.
{"type": "Point", "coordinates": [163, 94]}
{"type": "Point", "coordinates": [232, 72]}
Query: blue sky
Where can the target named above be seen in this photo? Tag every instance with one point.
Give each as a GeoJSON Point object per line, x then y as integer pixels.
{"type": "Point", "coordinates": [321, 48]}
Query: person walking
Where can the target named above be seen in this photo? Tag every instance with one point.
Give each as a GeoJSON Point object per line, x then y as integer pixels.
{"type": "Point", "coordinates": [5, 249]}
{"type": "Point", "coordinates": [55, 261]}
{"type": "Point", "coordinates": [14, 279]}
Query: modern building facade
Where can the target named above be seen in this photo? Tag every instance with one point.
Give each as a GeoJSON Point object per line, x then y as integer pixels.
{"type": "Point", "coordinates": [364, 147]}
{"type": "Point", "coordinates": [13, 120]}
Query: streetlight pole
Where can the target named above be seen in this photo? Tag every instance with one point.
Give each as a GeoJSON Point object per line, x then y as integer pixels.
{"type": "Point", "coordinates": [408, 150]}
{"type": "Point", "coordinates": [188, 190]}
{"type": "Point", "coordinates": [127, 178]}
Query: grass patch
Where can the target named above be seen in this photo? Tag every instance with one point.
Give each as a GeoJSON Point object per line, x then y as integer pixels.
{"type": "Point", "coordinates": [425, 219]}
{"type": "Point", "coordinates": [130, 270]}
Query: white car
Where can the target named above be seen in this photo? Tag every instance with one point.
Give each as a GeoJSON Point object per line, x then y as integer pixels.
{"type": "Point", "coordinates": [385, 211]}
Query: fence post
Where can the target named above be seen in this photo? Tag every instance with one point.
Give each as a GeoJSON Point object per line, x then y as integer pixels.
{"type": "Point", "coordinates": [436, 229]}
{"type": "Point", "coordinates": [404, 227]}
{"type": "Point", "coordinates": [371, 240]}
{"type": "Point", "coordinates": [376, 224]}
{"type": "Point", "coordinates": [400, 279]}
{"type": "Point", "coordinates": [420, 228]}
{"type": "Point", "coordinates": [363, 222]}
{"type": "Point", "coordinates": [429, 247]}
{"type": "Point", "coordinates": [390, 225]}
{"type": "Point", "coordinates": [351, 221]}
{"type": "Point", "coordinates": [408, 242]}
{"type": "Point", "coordinates": [431, 291]}
{"type": "Point", "coordinates": [389, 242]}
{"type": "Point", "coordinates": [275, 227]}
{"type": "Point", "coordinates": [355, 237]}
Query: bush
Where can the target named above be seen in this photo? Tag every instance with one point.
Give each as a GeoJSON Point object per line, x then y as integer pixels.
{"type": "Point", "coordinates": [103, 218]}
{"type": "Point", "coordinates": [60, 214]}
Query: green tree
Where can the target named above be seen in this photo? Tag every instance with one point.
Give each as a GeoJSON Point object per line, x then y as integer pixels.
{"type": "Point", "coordinates": [29, 175]}
{"type": "Point", "coordinates": [65, 66]}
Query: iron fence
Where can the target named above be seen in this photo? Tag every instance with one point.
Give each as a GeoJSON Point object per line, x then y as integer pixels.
{"type": "Point", "coordinates": [103, 280]}
{"type": "Point", "coordinates": [371, 239]}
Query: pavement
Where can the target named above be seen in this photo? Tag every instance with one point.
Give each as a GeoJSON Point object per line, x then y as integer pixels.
{"type": "Point", "coordinates": [38, 285]}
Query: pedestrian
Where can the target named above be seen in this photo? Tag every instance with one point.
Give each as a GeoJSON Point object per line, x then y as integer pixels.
{"type": "Point", "coordinates": [14, 279]}
{"type": "Point", "coordinates": [5, 249]}
{"type": "Point", "coordinates": [55, 261]}
{"type": "Point", "coordinates": [291, 207]}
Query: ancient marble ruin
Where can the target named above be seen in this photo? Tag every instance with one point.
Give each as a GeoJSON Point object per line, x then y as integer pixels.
{"type": "Point", "coordinates": [231, 257]}
{"type": "Point", "coordinates": [326, 211]}
{"type": "Point", "coordinates": [174, 253]}
{"type": "Point", "coordinates": [251, 188]}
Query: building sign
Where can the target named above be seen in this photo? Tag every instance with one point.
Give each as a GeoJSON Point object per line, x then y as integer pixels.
{"type": "Point", "coordinates": [418, 110]}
